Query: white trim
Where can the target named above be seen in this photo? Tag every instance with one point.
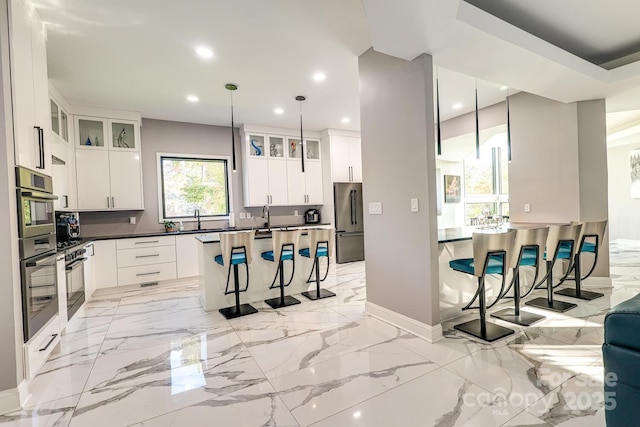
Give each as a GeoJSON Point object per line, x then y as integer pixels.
{"type": "Point", "coordinates": [194, 156]}
{"type": "Point", "coordinates": [268, 130]}
{"type": "Point", "coordinates": [422, 330]}
{"type": "Point", "coordinates": [339, 132]}
{"type": "Point", "coordinates": [10, 399]}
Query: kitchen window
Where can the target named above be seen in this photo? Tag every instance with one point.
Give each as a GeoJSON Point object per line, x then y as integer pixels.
{"type": "Point", "coordinates": [188, 182]}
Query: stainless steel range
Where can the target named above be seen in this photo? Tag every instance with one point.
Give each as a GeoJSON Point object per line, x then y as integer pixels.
{"type": "Point", "coordinates": [74, 260]}
{"type": "Point", "coordinates": [37, 250]}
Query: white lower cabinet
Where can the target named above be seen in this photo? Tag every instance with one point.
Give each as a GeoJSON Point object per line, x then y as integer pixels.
{"type": "Point", "coordinates": [105, 262]}
{"type": "Point", "coordinates": [89, 271]}
{"type": "Point", "coordinates": [146, 273]}
{"type": "Point", "coordinates": [38, 348]}
{"type": "Point", "coordinates": [187, 259]}
{"type": "Point", "coordinates": [61, 274]}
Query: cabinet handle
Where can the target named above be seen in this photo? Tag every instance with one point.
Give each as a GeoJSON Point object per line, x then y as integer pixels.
{"type": "Point", "coordinates": [53, 337]}
{"type": "Point", "coordinates": [148, 241]}
{"type": "Point", "coordinates": [147, 256]}
{"type": "Point", "coordinates": [113, 202]}
{"type": "Point", "coordinates": [66, 201]}
{"type": "Point", "coordinates": [42, 158]}
{"type": "Point", "coordinates": [38, 132]}
{"type": "Point", "coordinates": [148, 274]}
{"type": "Point", "coordinates": [108, 203]}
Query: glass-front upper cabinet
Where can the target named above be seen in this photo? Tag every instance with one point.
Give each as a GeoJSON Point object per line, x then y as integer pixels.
{"type": "Point", "coordinates": [256, 146]}
{"type": "Point", "coordinates": [64, 126]}
{"type": "Point", "coordinates": [91, 132]}
{"type": "Point", "coordinates": [312, 148]}
{"type": "Point", "coordinates": [123, 134]}
{"type": "Point", "coordinates": [276, 147]}
{"type": "Point", "coordinates": [294, 148]}
{"type": "Point", "coordinates": [55, 118]}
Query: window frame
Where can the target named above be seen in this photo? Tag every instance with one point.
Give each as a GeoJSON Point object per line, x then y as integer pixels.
{"type": "Point", "coordinates": [185, 156]}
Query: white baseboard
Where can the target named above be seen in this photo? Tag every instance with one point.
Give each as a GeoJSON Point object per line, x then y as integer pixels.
{"type": "Point", "coordinates": [427, 332]}
{"type": "Point", "coordinates": [10, 399]}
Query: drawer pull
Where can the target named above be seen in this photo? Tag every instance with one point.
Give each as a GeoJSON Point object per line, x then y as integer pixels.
{"type": "Point", "coordinates": [53, 337]}
{"type": "Point", "coordinates": [147, 242]}
{"type": "Point", "coordinates": [147, 274]}
{"type": "Point", "coordinates": [147, 256]}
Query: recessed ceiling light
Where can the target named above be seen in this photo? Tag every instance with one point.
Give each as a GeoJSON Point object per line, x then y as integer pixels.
{"type": "Point", "coordinates": [278, 110]}
{"type": "Point", "coordinates": [319, 76]}
{"type": "Point", "coordinates": [457, 106]}
{"type": "Point", "coordinates": [192, 98]}
{"type": "Point", "coordinates": [503, 87]}
{"type": "Point", "coordinates": [357, 415]}
{"type": "Point", "coordinates": [345, 120]}
{"type": "Point", "coordinates": [204, 52]}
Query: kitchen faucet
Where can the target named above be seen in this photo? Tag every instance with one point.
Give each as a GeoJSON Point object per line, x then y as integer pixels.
{"type": "Point", "coordinates": [196, 214]}
{"type": "Point", "coordinates": [267, 216]}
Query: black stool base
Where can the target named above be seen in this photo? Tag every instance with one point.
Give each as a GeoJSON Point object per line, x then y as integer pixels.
{"type": "Point", "coordinates": [585, 295]}
{"type": "Point", "coordinates": [523, 319]}
{"type": "Point", "coordinates": [233, 312]}
{"type": "Point", "coordinates": [277, 302]}
{"type": "Point", "coordinates": [558, 306]}
{"type": "Point", "coordinates": [493, 332]}
{"type": "Point", "coordinates": [313, 295]}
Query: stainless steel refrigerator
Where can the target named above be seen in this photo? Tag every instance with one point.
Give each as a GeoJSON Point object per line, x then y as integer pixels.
{"type": "Point", "coordinates": [347, 198]}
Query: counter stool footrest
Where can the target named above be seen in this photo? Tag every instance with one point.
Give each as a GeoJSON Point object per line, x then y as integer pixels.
{"type": "Point", "coordinates": [492, 333]}
{"type": "Point", "coordinates": [281, 302]}
{"type": "Point", "coordinates": [523, 319]}
{"type": "Point", "coordinates": [315, 295]}
{"type": "Point", "coordinates": [584, 295]}
{"type": "Point", "coordinates": [233, 312]}
{"type": "Point", "coordinates": [555, 305]}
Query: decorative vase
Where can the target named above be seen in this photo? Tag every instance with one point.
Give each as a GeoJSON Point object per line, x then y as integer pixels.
{"type": "Point", "coordinates": [88, 141]}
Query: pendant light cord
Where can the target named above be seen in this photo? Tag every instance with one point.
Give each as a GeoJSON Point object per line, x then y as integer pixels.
{"type": "Point", "coordinates": [233, 136]}
{"type": "Point", "coordinates": [439, 140]}
{"type": "Point", "coordinates": [301, 137]}
{"type": "Point", "coordinates": [477, 125]}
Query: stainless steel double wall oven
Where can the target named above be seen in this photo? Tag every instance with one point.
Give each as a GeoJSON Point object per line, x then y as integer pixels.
{"type": "Point", "coordinates": [37, 232]}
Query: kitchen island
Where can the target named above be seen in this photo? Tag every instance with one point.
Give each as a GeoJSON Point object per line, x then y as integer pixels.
{"type": "Point", "coordinates": [213, 276]}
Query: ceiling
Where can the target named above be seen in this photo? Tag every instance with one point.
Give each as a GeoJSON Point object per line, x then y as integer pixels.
{"type": "Point", "coordinates": [139, 55]}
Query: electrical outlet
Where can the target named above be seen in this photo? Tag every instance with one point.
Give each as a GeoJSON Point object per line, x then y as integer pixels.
{"type": "Point", "coordinates": [132, 220]}
{"type": "Point", "coordinates": [295, 213]}
{"type": "Point", "coordinates": [375, 208]}
{"type": "Point", "coordinates": [527, 207]}
{"type": "Point", "coordinates": [414, 205]}
{"type": "Point", "coordinates": [242, 215]}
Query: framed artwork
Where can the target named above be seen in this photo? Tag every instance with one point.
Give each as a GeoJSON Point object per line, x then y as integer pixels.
{"type": "Point", "coordinates": [634, 158]}
{"type": "Point", "coordinates": [452, 189]}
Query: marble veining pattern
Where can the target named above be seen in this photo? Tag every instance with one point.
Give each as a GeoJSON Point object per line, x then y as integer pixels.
{"type": "Point", "coordinates": [153, 357]}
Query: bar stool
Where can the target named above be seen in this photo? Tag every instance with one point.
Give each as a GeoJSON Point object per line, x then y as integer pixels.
{"type": "Point", "coordinates": [491, 254]}
{"type": "Point", "coordinates": [284, 247]}
{"type": "Point", "coordinates": [558, 235]}
{"type": "Point", "coordinates": [528, 251]}
{"type": "Point", "coordinates": [589, 230]}
{"type": "Point", "coordinates": [236, 249]}
{"type": "Point", "coordinates": [321, 243]}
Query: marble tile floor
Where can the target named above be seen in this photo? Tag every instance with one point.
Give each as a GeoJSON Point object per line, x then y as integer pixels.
{"type": "Point", "coordinates": [153, 357]}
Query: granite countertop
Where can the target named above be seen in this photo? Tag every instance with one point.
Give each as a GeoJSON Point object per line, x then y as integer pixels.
{"type": "Point", "coordinates": [446, 235]}
{"type": "Point", "coordinates": [205, 231]}
{"type": "Point", "coordinates": [260, 234]}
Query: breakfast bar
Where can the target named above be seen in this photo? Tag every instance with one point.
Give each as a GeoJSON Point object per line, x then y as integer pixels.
{"type": "Point", "coordinates": [213, 277]}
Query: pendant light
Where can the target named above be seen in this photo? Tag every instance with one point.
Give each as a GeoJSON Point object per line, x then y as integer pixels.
{"type": "Point", "coordinates": [439, 136]}
{"type": "Point", "coordinates": [508, 129]}
{"type": "Point", "coordinates": [231, 87]}
{"type": "Point", "coordinates": [301, 98]}
{"type": "Point", "coordinates": [477, 125]}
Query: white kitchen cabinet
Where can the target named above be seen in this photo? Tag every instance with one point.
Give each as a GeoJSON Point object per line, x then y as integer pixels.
{"type": "Point", "coordinates": [305, 188]}
{"type": "Point", "coordinates": [266, 171]}
{"type": "Point", "coordinates": [346, 159]}
{"type": "Point", "coordinates": [105, 262]}
{"type": "Point", "coordinates": [93, 175]}
{"type": "Point", "coordinates": [126, 180]}
{"type": "Point", "coordinates": [38, 348]}
{"type": "Point", "coordinates": [29, 87]}
{"type": "Point", "coordinates": [187, 260]}
{"type": "Point", "coordinates": [313, 183]}
{"type": "Point", "coordinates": [89, 271]}
{"type": "Point", "coordinates": [64, 179]}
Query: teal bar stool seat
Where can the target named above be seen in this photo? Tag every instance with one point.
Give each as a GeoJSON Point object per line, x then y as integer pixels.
{"type": "Point", "coordinates": [528, 250]}
{"type": "Point", "coordinates": [236, 249]}
{"type": "Point", "coordinates": [491, 255]}
{"type": "Point", "coordinates": [320, 246]}
{"type": "Point", "coordinates": [590, 230]}
{"type": "Point", "coordinates": [284, 248]}
{"type": "Point", "coordinates": [558, 235]}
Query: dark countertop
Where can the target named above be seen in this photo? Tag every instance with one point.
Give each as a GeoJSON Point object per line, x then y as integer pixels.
{"type": "Point", "coordinates": [447, 235]}
{"type": "Point", "coordinates": [204, 231]}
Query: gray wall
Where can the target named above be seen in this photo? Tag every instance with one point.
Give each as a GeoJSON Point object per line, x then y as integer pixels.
{"type": "Point", "coordinates": [10, 300]}
{"type": "Point", "coordinates": [398, 163]}
{"type": "Point", "coordinates": [488, 117]}
{"type": "Point", "coordinates": [623, 210]}
{"type": "Point", "coordinates": [559, 163]}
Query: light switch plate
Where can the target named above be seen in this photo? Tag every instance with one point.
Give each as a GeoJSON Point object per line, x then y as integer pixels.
{"type": "Point", "coordinates": [375, 208]}
{"type": "Point", "coordinates": [527, 207]}
{"type": "Point", "coordinates": [132, 220]}
{"type": "Point", "coordinates": [414, 205]}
